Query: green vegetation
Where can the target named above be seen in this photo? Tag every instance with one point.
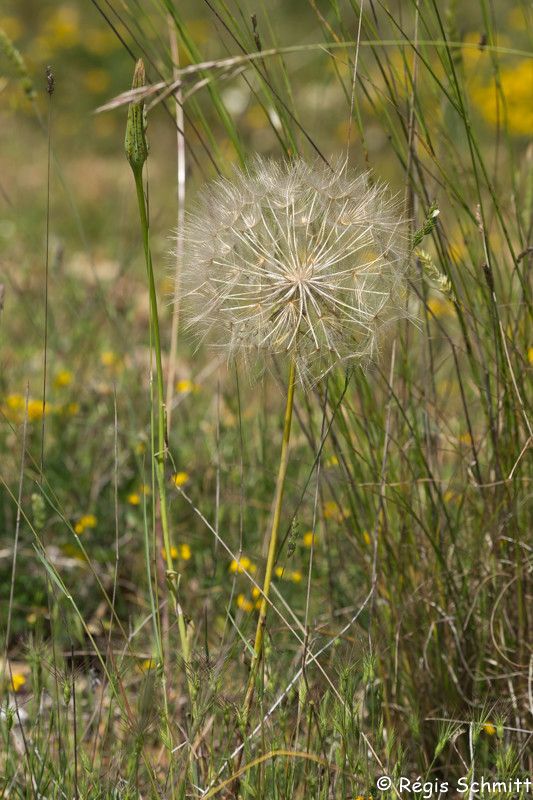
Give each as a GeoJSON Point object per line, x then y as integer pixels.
{"type": "Point", "coordinates": [138, 473]}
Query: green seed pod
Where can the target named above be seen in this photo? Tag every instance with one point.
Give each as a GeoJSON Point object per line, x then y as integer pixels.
{"type": "Point", "coordinates": [135, 142]}
{"type": "Point", "coordinates": [38, 509]}
{"type": "Point", "coordinates": [293, 537]}
{"type": "Point", "coordinates": [10, 714]}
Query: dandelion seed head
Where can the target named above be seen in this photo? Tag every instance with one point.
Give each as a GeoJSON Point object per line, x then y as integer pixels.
{"type": "Point", "coordinates": [297, 259]}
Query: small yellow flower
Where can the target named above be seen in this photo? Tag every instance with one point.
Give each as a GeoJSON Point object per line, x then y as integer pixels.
{"type": "Point", "coordinates": [332, 510]}
{"type": "Point", "coordinates": [185, 386]}
{"type": "Point", "coordinates": [17, 681]}
{"type": "Point", "coordinates": [367, 538]}
{"type": "Point", "coordinates": [332, 462]}
{"type": "Point", "coordinates": [242, 564]}
{"type": "Point", "coordinates": [530, 355]}
{"type": "Point", "coordinates": [15, 402]}
{"type": "Point", "coordinates": [489, 728]}
{"type": "Point", "coordinates": [244, 604]}
{"type": "Point", "coordinates": [173, 552]}
{"type": "Point", "coordinates": [180, 478]}
{"type": "Point", "coordinates": [35, 409]}
{"type": "Point", "coordinates": [295, 576]}
{"type": "Point", "coordinates": [256, 592]}
{"type": "Point", "coordinates": [109, 359]}
{"type": "Point", "coordinates": [516, 84]}
{"type": "Point", "coordinates": [63, 378]}
{"type": "Point", "coordinates": [87, 521]}
{"type": "Point", "coordinates": [185, 552]}
{"type": "Point", "coordinates": [134, 499]}
{"type": "Point", "coordinates": [147, 664]}
{"type": "Point", "coordinates": [308, 538]}
{"type": "Point", "coordinates": [279, 572]}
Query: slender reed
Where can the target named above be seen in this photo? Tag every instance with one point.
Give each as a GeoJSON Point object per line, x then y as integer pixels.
{"type": "Point", "coordinates": [137, 152]}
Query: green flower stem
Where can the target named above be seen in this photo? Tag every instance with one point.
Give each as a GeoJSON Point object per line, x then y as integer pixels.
{"type": "Point", "coordinates": [137, 153]}
{"type": "Point", "coordinates": [272, 545]}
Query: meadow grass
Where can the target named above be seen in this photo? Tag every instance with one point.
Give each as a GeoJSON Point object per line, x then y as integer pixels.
{"type": "Point", "coordinates": [138, 656]}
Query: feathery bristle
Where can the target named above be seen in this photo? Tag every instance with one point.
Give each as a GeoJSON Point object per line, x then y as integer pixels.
{"type": "Point", "coordinates": [295, 258]}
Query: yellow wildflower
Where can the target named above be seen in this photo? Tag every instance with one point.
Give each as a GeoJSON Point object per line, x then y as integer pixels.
{"type": "Point", "coordinates": [333, 461]}
{"type": "Point", "coordinates": [367, 538]}
{"type": "Point", "coordinates": [87, 521]}
{"type": "Point", "coordinates": [63, 378]}
{"type": "Point", "coordinates": [133, 499]}
{"type": "Point", "coordinates": [36, 409]}
{"type": "Point", "coordinates": [279, 572]}
{"type": "Point", "coordinates": [180, 478]}
{"type": "Point", "coordinates": [186, 387]}
{"type": "Point", "coordinates": [256, 592]}
{"type": "Point", "coordinates": [308, 538]}
{"type": "Point", "coordinates": [517, 88]}
{"type": "Point", "coordinates": [15, 402]}
{"type": "Point", "coordinates": [182, 551]}
{"type": "Point", "coordinates": [173, 552]}
{"type": "Point", "coordinates": [242, 564]}
{"type": "Point", "coordinates": [109, 359]}
{"type": "Point", "coordinates": [14, 407]}
{"type": "Point", "coordinates": [530, 355]}
{"type": "Point", "coordinates": [147, 664]}
{"type": "Point", "coordinates": [17, 681]}
{"type": "Point", "coordinates": [333, 511]}
{"type": "Point", "coordinates": [244, 604]}
{"type": "Point", "coordinates": [489, 728]}
{"type": "Point", "coordinates": [295, 576]}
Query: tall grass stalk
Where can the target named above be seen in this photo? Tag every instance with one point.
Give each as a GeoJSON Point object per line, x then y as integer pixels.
{"type": "Point", "coordinates": [137, 152]}
{"type": "Point", "coordinates": [272, 543]}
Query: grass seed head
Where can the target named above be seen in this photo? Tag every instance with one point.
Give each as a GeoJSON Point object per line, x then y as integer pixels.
{"type": "Point", "coordinates": [297, 259]}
